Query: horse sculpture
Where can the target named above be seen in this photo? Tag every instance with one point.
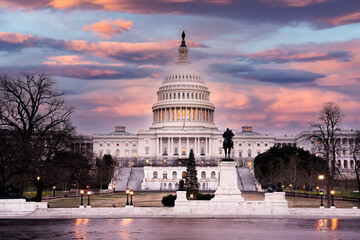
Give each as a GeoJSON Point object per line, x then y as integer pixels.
{"type": "Point", "coordinates": [228, 143]}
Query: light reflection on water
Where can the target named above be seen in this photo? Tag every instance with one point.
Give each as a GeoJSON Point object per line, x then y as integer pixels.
{"type": "Point", "coordinates": [181, 229]}
{"type": "Point", "coordinates": [327, 224]}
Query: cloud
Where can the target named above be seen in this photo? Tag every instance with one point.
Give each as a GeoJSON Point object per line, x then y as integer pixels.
{"type": "Point", "coordinates": [230, 68]}
{"type": "Point", "coordinates": [77, 60]}
{"type": "Point", "coordinates": [107, 28]}
{"type": "Point", "coordinates": [265, 75]}
{"type": "Point", "coordinates": [280, 76]}
{"type": "Point", "coordinates": [294, 53]}
{"type": "Point", "coordinates": [319, 13]}
{"type": "Point", "coordinates": [143, 52]}
{"type": "Point", "coordinates": [85, 72]}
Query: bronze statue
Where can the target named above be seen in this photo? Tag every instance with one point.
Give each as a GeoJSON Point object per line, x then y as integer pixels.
{"type": "Point", "coordinates": [183, 35]}
{"type": "Point", "coordinates": [228, 143]}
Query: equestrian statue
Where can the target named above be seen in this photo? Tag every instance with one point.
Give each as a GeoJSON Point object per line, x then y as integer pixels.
{"type": "Point", "coordinates": [228, 143]}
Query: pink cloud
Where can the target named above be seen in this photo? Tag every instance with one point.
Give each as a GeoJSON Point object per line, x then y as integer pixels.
{"type": "Point", "coordinates": [344, 20]}
{"type": "Point", "coordinates": [107, 28]}
{"type": "Point", "coordinates": [294, 3]}
{"type": "Point", "coordinates": [77, 60]}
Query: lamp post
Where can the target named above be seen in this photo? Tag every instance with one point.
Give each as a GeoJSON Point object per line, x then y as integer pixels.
{"type": "Point", "coordinates": [127, 197]}
{"type": "Point", "coordinates": [113, 187]}
{"type": "Point", "coordinates": [317, 191]}
{"type": "Point", "coordinates": [332, 192]}
{"type": "Point", "coordinates": [131, 194]}
{"type": "Point", "coordinates": [82, 198]}
{"type": "Point", "coordinates": [88, 205]}
{"type": "Point", "coordinates": [290, 185]}
{"type": "Point", "coordinates": [53, 191]}
{"type": "Point", "coordinates": [321, 197]}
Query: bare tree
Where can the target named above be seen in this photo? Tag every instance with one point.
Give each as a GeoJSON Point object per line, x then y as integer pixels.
{"type": "Point", "coordinates": [34, 114]}
{"type": "Point", "coordinates": [326, 134]}
{"type": "Point", "coordinates": [355, 151]}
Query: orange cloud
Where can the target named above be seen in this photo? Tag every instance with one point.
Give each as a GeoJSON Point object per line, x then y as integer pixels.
{"type": "Point", "coordinates": [107, 28]}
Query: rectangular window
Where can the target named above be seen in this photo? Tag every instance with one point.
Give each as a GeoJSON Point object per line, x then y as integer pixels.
{"type": "Point", "coordinates": [178, 116]}
{"type": "Point", "coordinates": [183, 113]}
{"type": "Point", "coordinates": [188, 114]}
{"type": "Point", "coordinates": [173, 113]}
{"type": "Point", "coordinates": [192, 114]}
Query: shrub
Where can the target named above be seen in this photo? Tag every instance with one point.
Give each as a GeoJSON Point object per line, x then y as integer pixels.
{"type": "Point", "coordinates": [200, 196]}
{"type": "Point", "coordinates": [169, 200]}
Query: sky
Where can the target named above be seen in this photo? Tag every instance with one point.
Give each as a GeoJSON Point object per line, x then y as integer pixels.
{"type": "Point", "coordinates": [271, 64]}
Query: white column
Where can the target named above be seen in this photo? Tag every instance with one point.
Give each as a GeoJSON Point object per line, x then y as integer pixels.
{"type": "Point", "coordinates": [187, 146]}
{"type": "Point", "coordinates": [168, 146]}
{"type": "Point", "coordinates": [206, 146]}
{"type": "Point", "coordinates": [161, 149]}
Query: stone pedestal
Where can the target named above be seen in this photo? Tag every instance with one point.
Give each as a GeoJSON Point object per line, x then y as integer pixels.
{"type": "Point", "coordinates": [181, 203]}
{"type": "Point", "coordinates": [277, 202]}
{"type": "Point", "coordinates": [228, 190]}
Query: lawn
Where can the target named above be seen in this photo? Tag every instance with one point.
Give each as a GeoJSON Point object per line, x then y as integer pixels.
{"type": "Point", "coordinates": [154, 200]}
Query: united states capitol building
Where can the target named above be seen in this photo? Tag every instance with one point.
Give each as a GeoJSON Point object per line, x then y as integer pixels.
{"type": "Point", "coordinates": [183, 119]}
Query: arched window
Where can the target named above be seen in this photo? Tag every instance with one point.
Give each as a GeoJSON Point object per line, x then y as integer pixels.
{"type": "Point", "coordinates": [213, 174]}
{"type": "Point", "coordinates": [249, 153]}
{"type": "Point", "coordinates": [203, 174]}
{"type": "Point", "coordinates": [174, 175]}
{"type": "Point", "coordinates": [164, 175]}
{"type": "Point", "coordinates": [176, 151]}
{"type": "Point", "coordinates": [183, 151]}
{"type": "Point", "coordinates": [117, 154]}
{"type": "Point", "coordinates": [345, 164]}
{"type": "Point", "coordinates": [126, 153]}
{"type": "Point", "coordinates": [183, 174]}
{"type": "Point", "coordinates": [187, 95]}
{"type": "Point", "coordinates": [147, 150]}
{"type": "Point", "coordinates": [352, 164]}
{"type": "Point", "coordinates": [183, 96]}
{"type": "Point", "coordinates": [178, 95]}
{"type": "Point", "coordinates": [240, 153]}
{"type": "Point", "coordinates": [155, 174]}
{"type": "Point", "coordinates": [338, 163]}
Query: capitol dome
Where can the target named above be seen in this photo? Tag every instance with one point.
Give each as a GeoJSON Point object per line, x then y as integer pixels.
{"type": "Point", "coordinates": [183, 97]}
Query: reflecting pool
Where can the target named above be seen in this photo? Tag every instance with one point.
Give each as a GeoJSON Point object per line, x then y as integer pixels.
{"type": "Point", "coordinates": [181, 229]}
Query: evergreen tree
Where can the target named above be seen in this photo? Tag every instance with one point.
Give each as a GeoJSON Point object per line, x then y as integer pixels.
{"type": "Point", "coordinates": [191, 182]}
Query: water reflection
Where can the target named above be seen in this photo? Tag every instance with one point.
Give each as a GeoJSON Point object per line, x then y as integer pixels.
{"type": "Point", "coordinates": [79, 231]}
{"type": "Point", "coordinates": [327, 224]}
{"type": "Point", "coordinates": [172, 228]}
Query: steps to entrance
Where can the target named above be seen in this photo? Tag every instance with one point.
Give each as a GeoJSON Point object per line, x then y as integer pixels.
{"type": "Point", "coordinates": [122, 177]}
{"type": "Point", "coordinates": [246, 180]}
{"type": "Point", "coordinates": [136, 178]}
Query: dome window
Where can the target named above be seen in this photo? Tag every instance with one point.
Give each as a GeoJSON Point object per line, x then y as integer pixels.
{"type": "Point", "coordinates": [195, 95]}
{"type": "Point", "coordinates": [187, 95]}
{"type": "Point", "coordinates": [192, 95]}
{"type": "Point", "coordinates": [183, 96]}
{"type": "Point", "coordinates": [178, 95]}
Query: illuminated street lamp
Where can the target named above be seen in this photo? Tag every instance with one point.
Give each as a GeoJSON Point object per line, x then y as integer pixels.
{"type": "Point", "coordinates": [321, 177]}
{"type": "Point", "coordinates": [317, 191]}
{"type": "Point", "coordinates": [321, 197]}
{"type": "Point", "coordinates": [131, 194]}
{"type": "Point", "coordinates": [53, 191]}
{"type": "Point", "coordinates": [290, 185]}
{"type": "Point", "coordinates": [127, 197]}
{"type": "Point", "coordinates": [38, 178]}
{"type": "Point", "coordinates": [82, 198]}
{"type": "Point", "coordinates": [332, 192]}
{"type": "Point", "coordinates": [88, 193]}
{"type": "Point", "coordinates": [113, 187]}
